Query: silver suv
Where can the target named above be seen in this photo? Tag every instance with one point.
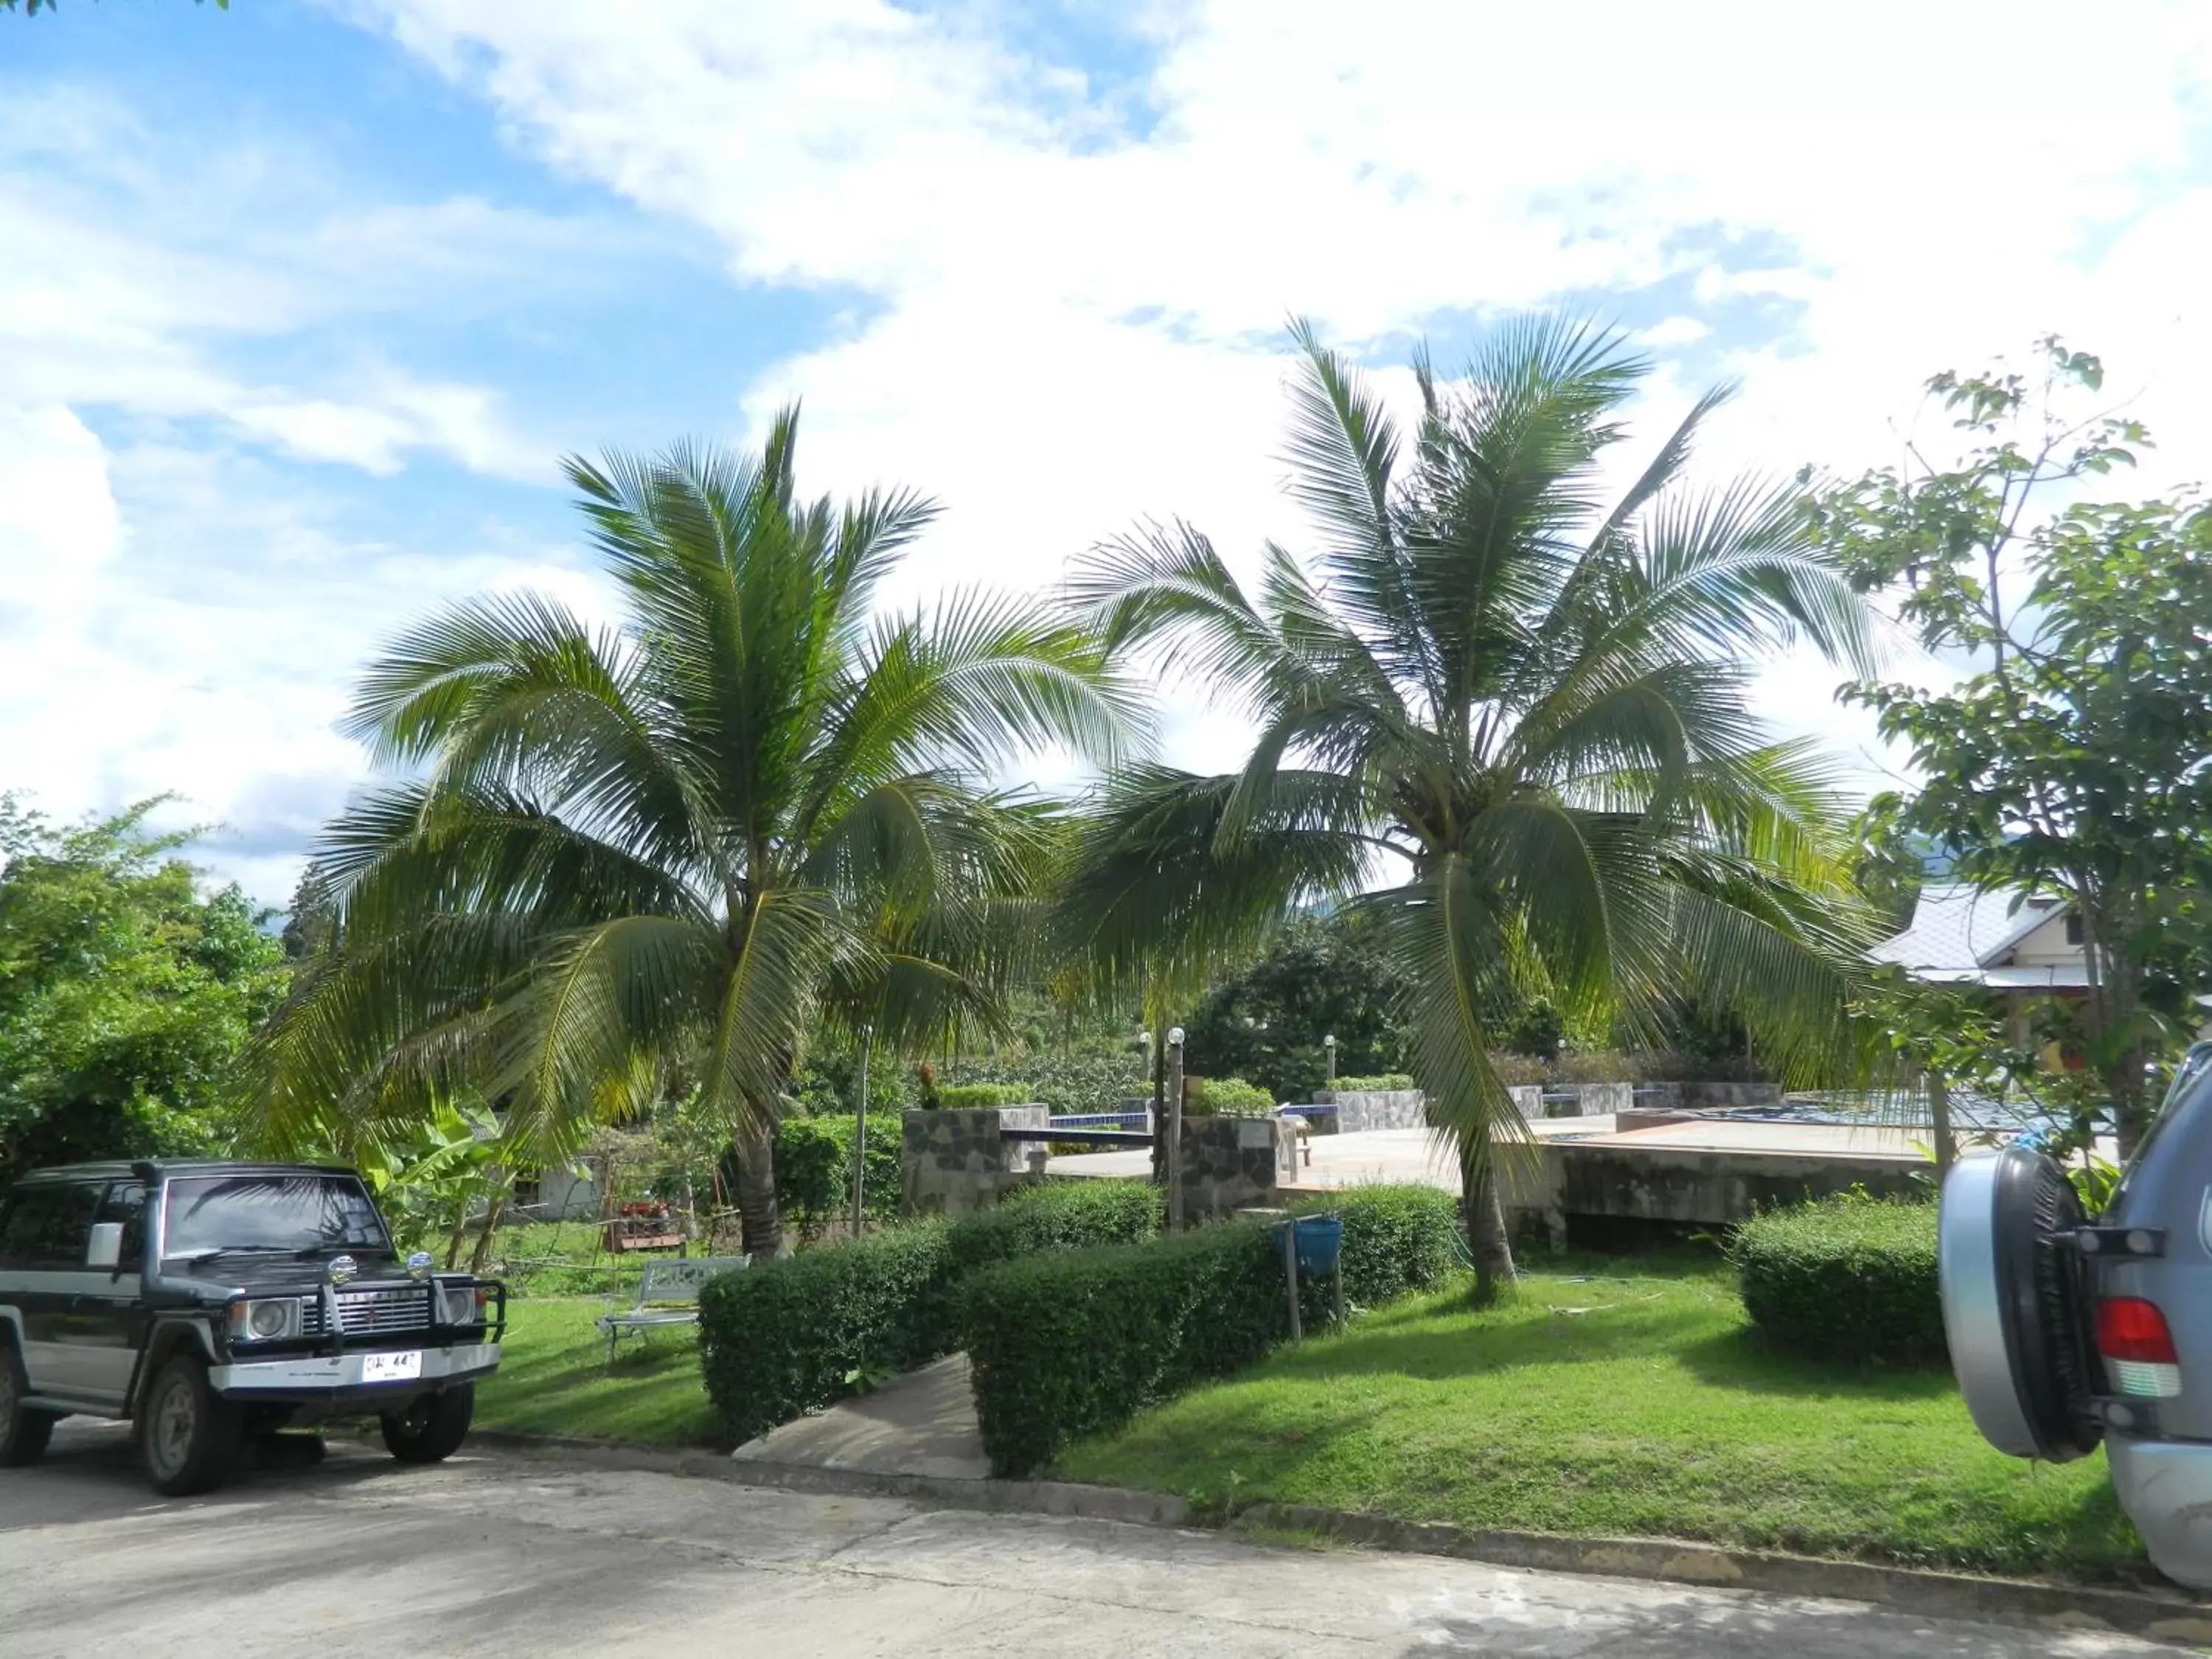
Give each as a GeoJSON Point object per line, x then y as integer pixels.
{"type": "Point", "coordinates": [2065, 1332]}
{"type": "Point", "coordinates": [210, 1302]}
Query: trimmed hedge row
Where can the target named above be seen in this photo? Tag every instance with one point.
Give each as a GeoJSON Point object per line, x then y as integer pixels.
{"type": "Point", "coordinates": [1384, 1082]}
{"type": "Point", "coordinates": [955, 1097]}
{"type": "Point", "coordinates": [784, 1338]}
{"type": "Point", "coordinates": [1068, 1344]}
{"type": "Point", "coordinates": [1056, 1215]}
{"type": "Point", "coordinates": [1224, 1096]}
{"type": "Point", "coordinates": [787, 1337]}
{"type": "Point", "coordinates": [1396, 1239]}
{"type": "Point", "coordinates": [1847, 1278]}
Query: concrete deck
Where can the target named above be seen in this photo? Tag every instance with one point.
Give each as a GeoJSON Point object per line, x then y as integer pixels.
{"type": "Point", "coordinates": [1396, 1157]}
{"type": "Point", "coordinates": [922, 1423]}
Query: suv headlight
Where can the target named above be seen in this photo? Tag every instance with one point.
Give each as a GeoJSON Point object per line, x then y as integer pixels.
{"type": "Point", "coordinates": [460, 1306]}
{"type": "Point", "coordinates": [265, 1321]}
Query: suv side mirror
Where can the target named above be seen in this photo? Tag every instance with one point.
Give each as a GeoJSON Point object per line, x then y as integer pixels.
{"type": "Point", "coordinates": [105, 1247]}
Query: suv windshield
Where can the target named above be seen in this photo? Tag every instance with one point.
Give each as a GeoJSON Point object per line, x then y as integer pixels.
{"type": "Point", "coordinates": [302, 1213]}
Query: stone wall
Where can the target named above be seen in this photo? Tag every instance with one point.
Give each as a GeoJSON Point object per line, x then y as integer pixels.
{"type": "Point", "coordinates": [1684, 1184]}
{"type": "Point", "coordinates": [1374, 1108]}
{"type": "Point", "coordinates": [1705, 1096]}
{"type": "Point", "coordinates": [1588, 1099]}
{"type": "Point", "coordinates": [1232, 1163]}
{"type": "Point", "coordinates": [1527, 1098]}
{"type": "Point", "coordinates": [951, 1163]}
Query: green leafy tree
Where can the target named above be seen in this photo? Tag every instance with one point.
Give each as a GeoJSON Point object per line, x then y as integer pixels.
{"type": "Point", "coordinates": [657, 851]}
{"type": "Point", "coordinates": [2070, 758]}
{"type": "Point", "coordinates": [125, 995]}
{"type": "Point", "coordinates": [1504, 718]}
{"type": "Point", "coordinates": [1320, 977]}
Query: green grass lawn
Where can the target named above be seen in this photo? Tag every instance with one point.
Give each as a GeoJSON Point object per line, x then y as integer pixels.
{"type": "Point", "coordinates": [1621, 1406]}
{"type": "Point", "coordinates": [553, 1379]}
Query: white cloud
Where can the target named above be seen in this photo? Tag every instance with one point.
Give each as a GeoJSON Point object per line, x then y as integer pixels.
{"type": "Point", "coordinates": [135, 267]}
{"type": "Point", "coordinates": [177, 615]}
{"type": "Point", "coordinates": [136, 658]}
{"type": "Point", "coordinates": [1077, 307]}
{"type": "Point", "coordinates": [1068, 286]}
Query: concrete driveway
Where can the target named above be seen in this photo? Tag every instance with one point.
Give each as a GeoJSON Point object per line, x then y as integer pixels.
{"type": "Point", "coordinates": [497, 1553]}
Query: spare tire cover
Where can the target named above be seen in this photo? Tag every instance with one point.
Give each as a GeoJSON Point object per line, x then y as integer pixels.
{"type": "Point", "coordinates": [2015, 1305]}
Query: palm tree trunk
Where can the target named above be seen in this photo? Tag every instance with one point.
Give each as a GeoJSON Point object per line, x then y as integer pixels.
{"type": "Point", "coordinates": [1939, 1110]}
{"type": "Point", "coordinates": [1487, 1240]}
{"type": "Point", "coordinates": [762, 1221]}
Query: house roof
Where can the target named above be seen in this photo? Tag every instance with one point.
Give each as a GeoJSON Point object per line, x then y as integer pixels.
{"type": "Point", "coordinates": [1964, 935]}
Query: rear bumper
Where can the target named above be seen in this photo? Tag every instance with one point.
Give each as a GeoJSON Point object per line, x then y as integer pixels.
{"type": "Point", "coordinates": [335, 1381]}
{"type": "Point", "coordinates": [2165, 1488]}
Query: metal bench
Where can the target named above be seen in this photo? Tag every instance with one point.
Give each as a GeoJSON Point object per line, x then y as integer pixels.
{"type": "Point", "coordinates": [668, 1295]}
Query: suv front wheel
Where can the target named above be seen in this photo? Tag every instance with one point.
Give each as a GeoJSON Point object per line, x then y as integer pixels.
{"type": "Point", "coordinates": [432, 1428]}
{"type": "Point", "coordinates": [188, 1435]}
{"type": "Point", "coordinates": [24, 1430]}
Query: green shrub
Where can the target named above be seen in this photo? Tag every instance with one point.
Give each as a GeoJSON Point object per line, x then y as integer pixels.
{"type": "Point", "coordinates": [1066, 1083]}
{"type": "Point", "coordinates": [787, 1337]}
{"type": "Point", "coordinates": [1071, 1343]}
{"type": "Point", "coordinates": [814, 1170]}
{"type": "Point", "coordinates": [1068, 1344]}
{"type": "Point", "coordinates": [1386, 1082]}
{"type": "Point", "coordinates": [956, 1097]}
{"type": "Point", "coordinates": [1847, 1278]}
{"type": "Point", "coordinates": [1396, 1239]}
{"type": "Point", "coordinates": [1056, 1215]}
{"type": "Point", "coordinates": [1224, 1096]}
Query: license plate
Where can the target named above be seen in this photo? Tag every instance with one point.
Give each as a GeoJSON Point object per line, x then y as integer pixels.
{"type": "Point", "coordinates": [390, 1367]}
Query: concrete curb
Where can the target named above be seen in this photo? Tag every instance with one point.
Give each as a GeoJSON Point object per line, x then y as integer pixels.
{"type": "Point", "coordinates": [2165, 1616]}
{"type": "Point", "coordinates": [2162, 1616]}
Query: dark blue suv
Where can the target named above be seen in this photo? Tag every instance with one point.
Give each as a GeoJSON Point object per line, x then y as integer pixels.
{"type": "Point", "coordinates": [208, 1302]}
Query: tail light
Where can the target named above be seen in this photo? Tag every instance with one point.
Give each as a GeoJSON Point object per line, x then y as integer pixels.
{"type": "Point", "coordinates": [2137, 1347]}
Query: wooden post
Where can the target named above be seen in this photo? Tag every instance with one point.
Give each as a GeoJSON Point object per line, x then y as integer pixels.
{"type": "Point", "coordinates": [1291, 1275]}
{"type": "Point", "coordinates": [861, 1141]}
{"type": "Point", "coordinates": [1175, 1129]}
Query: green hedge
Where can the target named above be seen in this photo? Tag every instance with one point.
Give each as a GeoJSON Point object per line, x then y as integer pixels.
{"type": "Point", "coordinates": [955, 1097]}
{"type": "Point", "coordinates": [787, 1337]}
{"type": "Point", "coordinates": [1386, 1082]}
{"type": "Point", "coordinates": [1224, 1096]}
{"type": "Point", "coordinates": [1066, 1083]}
{"type": "Point", "coordinates": [1848, 1278]}
{"type": "Point", "coordinates": [784, 1338]}
{"type": "Point", "coordinates": [1396, 1239]}
{"type": "Point", "coordinates": [1068, 1344]}
{"type": "Point", "coordinates": [814, 1169]}
{"type": "Point", "coordinates": [1056, 1215]}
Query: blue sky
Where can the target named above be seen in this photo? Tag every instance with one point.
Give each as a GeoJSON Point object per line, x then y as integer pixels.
{"type": "Point", "coordinates": [300, 303]}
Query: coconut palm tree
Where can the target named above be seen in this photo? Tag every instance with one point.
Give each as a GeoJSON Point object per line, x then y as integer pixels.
{"type": "Point", "coordinates": [658, 848]}
{"type": "Point", "coordinates": [1507, 715]}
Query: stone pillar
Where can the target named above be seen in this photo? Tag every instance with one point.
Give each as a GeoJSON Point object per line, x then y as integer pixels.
{"type": "Point", "coordinates": [1379, 1108]}
{"type": "Point", "coordinates": [1527, 1098]}
{"type": "Point", "coordinates": [1232, 1163]}
{"type": "Point", "coordinates": [951, 1163]}
{"type": "Point", "coordinates": [1605, 1099]}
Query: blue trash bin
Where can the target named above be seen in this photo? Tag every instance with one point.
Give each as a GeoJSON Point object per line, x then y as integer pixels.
{"type": "Point", "coordinates": [1320, 1243]}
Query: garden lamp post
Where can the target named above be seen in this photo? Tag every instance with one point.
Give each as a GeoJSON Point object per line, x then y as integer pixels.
{"type": "Point", "coordinates": [860, 1139]}
{"type": "Point", "coordinates": [1328, 1047]}
{"type": "Point", "coordinates": [1174, 1127]}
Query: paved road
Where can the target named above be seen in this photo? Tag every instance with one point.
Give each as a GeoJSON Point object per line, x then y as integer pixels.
{"type": "Point", "coordinates": [501, 1554]}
